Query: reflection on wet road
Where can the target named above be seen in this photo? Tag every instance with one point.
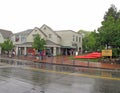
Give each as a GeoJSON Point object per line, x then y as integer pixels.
{"type": "Point", "coordinates": [28, 77]}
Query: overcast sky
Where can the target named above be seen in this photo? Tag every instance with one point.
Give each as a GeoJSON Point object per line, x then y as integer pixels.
{"type": "Point", "coordinates": [19, 15]}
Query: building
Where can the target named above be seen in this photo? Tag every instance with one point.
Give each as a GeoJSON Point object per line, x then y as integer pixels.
{"type": "Point", "coordinates": [70, 41]}
{"type": "Point", "coordinates": [4, 35]}
{"type": "Point", "coordinates": [58, 42]}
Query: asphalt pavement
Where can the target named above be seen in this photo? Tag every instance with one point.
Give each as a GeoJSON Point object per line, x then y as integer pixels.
{"type": "Point", "coordinates": [15, 79]}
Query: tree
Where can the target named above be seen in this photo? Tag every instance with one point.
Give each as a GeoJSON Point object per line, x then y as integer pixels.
{"type": "Point", "coordinates": [112, 11]}
{"type": "Point", "coordinates": [7, 45]}
{"type": "Point", "coordinates": [38, 43]}
{"type": "Point", "coordinates": [89, 40]}
{"type": "Point", "coordinates": [84, 33]}
{"type": "Point", "coordinates": [109, 32]}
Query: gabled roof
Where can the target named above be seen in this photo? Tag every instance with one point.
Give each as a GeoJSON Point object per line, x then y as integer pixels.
{"type": "Point", "coordinates": [44, 25]}
{"type": "Point", "coordinates": [41, 31]}
{"type": "Point", "coordinates": [5, 33]}
{"type": "Point", "coordinates": [27, 32]}
{"type": "Point", "coordinates": [50, 29]}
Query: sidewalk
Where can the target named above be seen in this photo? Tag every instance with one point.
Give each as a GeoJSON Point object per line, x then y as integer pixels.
{"type": "Point", "coordinates": [64, 60]}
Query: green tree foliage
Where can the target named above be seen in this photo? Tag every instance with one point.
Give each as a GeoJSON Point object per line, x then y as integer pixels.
{"type": "Point", "coordinates": [109, 32]}
{"type": "Point", "coordinates": [38, 43]}
{"type": "Point", "coordinates": [89, 40]}
{"type": "Point", "coordinates": [107, 35]}
{"type": "Point", "coordinates": [7, 45]}
{"type": "Point", "coordinates": [84, 33]}
{"type": "Point", "coordinates": [112, 11]}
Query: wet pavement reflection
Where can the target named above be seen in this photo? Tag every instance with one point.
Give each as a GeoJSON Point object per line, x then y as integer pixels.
{"type": "Point", "coordinates": [64, 68]}
{"type": "Point", "coordinates": [15, 78]}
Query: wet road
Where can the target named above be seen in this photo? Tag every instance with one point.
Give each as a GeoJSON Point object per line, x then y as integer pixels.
{"type": "Point", "coordinates": [26, 77]}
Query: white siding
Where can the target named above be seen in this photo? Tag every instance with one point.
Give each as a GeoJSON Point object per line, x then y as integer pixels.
{"type": "Point", "coordinates": [35, 31]}
{"type": "Point", "coordinates": [1, 38]}
{"type": "Point", "coordinates": [67, 38]}
{"type": "Point", "coordinates": [49, 32]}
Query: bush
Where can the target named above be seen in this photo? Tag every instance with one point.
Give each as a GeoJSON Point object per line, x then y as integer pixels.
{"type": "Point", "coordinates": [115, 52]}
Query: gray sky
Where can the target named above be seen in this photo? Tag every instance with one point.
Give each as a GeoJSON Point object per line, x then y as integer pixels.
{"type": "Point", "coordinates": [19, 15]}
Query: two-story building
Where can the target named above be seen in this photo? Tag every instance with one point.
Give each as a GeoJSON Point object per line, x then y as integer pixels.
{"type": "Point", "coordinates": [57, 41]}
{"type": "Point", "coordinates": [4, 34]}
{"type": "Point", "coordinates": [71, 41]}
{"type": "Point", "coordinates": [23, 40]}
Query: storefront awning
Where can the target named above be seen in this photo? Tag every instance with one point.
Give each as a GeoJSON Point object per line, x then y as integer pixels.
{"type": "Point", "coordinates": [67, 47]}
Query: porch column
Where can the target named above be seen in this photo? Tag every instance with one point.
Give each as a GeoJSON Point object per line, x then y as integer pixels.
{"type": "Point", "coordinates": [54, 51]}
{"type": "Point", "coordinates": [16, 51]}
{"type": "Point", "coordinates": [25, 50]}
{"type": "Point", "coordinates": [59, 52]}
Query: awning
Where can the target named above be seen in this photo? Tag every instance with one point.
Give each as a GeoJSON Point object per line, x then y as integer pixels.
{"type": "Point", "coordinates": [67, 47]}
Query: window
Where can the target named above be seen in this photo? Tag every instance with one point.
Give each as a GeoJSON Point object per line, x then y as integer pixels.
{"type": "Point", "coordinates": [73, 38]}
{"type": "Point", "coordinates": [76, 38]}
{"type": "Point", "coordinates": [50, 35]}
{"type": "Point", "coordinates": [17, 38]}
{"type": "Point", "coordinates": [23, 39]}
{"type": "Point", "coordinates": [79, 39]}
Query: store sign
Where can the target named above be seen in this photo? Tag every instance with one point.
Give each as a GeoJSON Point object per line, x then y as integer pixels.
{"type": "Point", "coordinates": [107, 52]}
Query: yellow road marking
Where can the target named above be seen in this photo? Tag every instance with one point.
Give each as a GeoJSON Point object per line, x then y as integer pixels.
{"type": "Point", "coordinates": [73, 74]}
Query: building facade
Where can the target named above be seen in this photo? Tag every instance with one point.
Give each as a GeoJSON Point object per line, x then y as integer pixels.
{"type": "Point", "coordinates": [71, 41]}
{"type": "Point", "coordinates": [58, 42]}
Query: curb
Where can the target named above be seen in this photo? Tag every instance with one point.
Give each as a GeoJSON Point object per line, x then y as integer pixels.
{"type": "Point", "coordinates": [79, 66]}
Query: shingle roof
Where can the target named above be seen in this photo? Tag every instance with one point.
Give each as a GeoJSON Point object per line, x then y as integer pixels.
{"type": "Point", "coordinates": [49, 42]}
{"type": "Point", "coordinates": [26, 32]}
{"type": "Point", "coordinates": [26, 43]}
{"type": "Point", "coordinates": [5, 33]}
{"type": "Point", "coordinates": [66, 31]}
